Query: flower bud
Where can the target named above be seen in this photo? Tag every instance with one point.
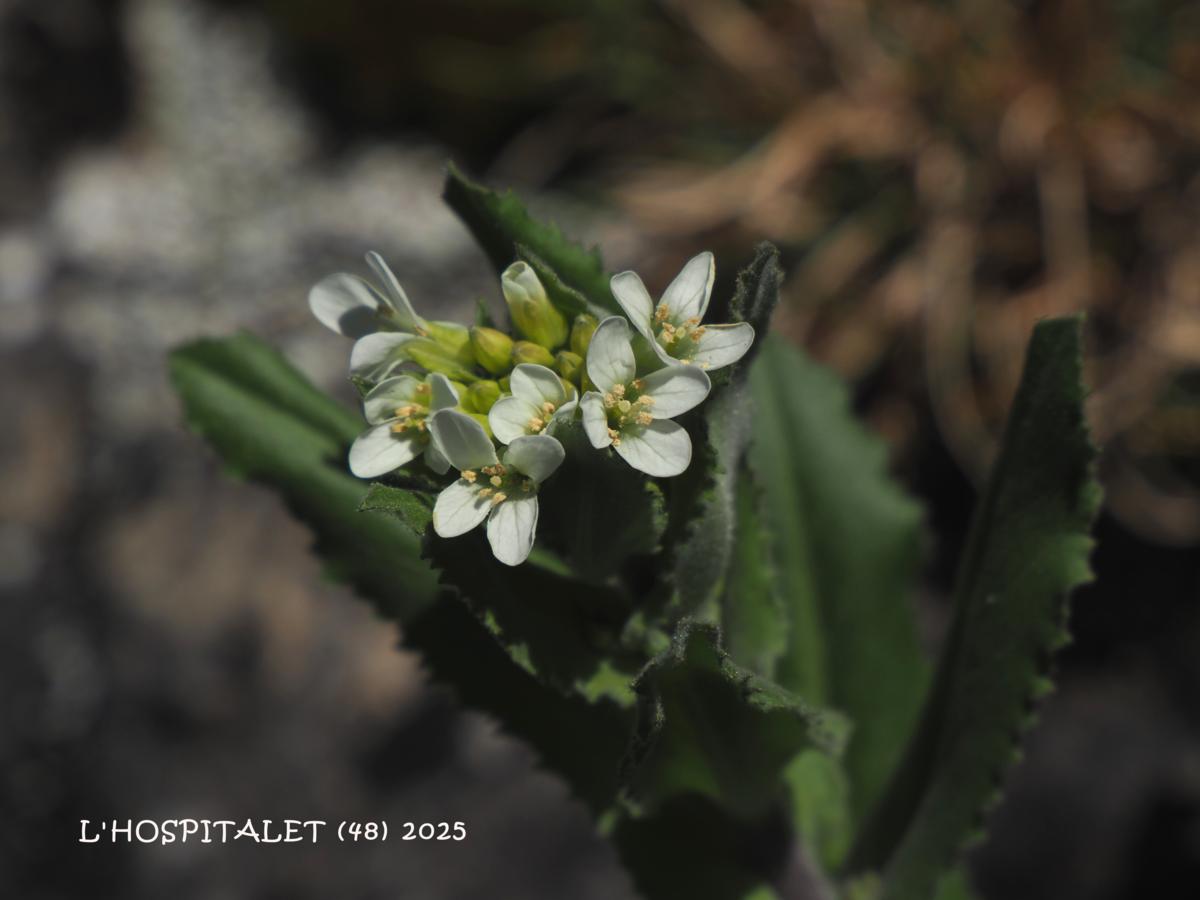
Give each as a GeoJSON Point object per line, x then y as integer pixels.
{"type": "Point", "coordinates": [493, 349]}
{"type": "Point", "coordinates": [432, 357]}
{"type": "Point", "coordinates": [529, 352]}
{"type": "Point", "coordinates": [534, 316]}
{"type": "Point", "coordinates": [481, 395]}
{"type": "Point", "coordinates": [581, 333]}
{"type": "Point", "coordinates": [505, 384]}
{"type": "Point", "coordinates": [569, 365]}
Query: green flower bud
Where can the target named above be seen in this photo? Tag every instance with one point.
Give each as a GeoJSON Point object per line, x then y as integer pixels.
{"type": "Point", "coordinates": [481, 395]}
{"type": "Point", "coordinates": [492, 348]}
{"type": "Point", "coordinates": [534, 316]}
{"type": "Point", "coordinates": [581, 333]}
{"type": "Point", "coordinates": [433, 357]}
{"type": "Point", "coordinates": [455, 339]}
{"type": "Point", "coordinates": [569, 365]}
{"type": "Point", "coordinates": [505, 385]}
{"type": "Point", "coordinates": [529, 352]}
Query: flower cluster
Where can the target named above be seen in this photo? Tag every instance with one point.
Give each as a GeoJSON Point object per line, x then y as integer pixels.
{"type": "Point", "coordinates": [451, 394]}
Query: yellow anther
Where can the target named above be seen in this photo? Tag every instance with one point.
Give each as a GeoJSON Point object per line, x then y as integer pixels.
{"type": "Point", "coordinates": [496, 481]}
{"type": "Point", "coordinates": [485, 492]}
{"type": "Point", "coordinates": [639, 384]}
{"type": "Point", "coordinates": [644, 418]}
{"type": "Point", "coordinates": [535, 425]}
{"type": "Point", "coordinates": [645, 400]}
{"type": "Point", "coordinates": [548, 407]}
{"type": "Point", "coordinates": [422, 388]}
{"type": "Point", "coordinates": [661, 313]}
{"type": "Point", "coordinates": [399, 427]}
{"type": "Point", "coordinates": [469, 476]}
{"type": "Point", "coordinates": [498, 499]}
{"type": "Point", "coordinates": [693, 321]}
{"type": "Point", "coordinates": [698, 331]}
{"type": "Point", "coordinates": [618, 391]}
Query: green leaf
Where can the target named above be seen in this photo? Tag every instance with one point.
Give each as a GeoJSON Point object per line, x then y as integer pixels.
{"type": "Point", "coordinates": [692, 849]}
{"type": "Point", "coordinates": [821, 805]}
{"type": "Point", "coordinates": [1028, 548]}
{"type": "Point", "coordinates": [567, 299]}
{"type": "Point", "coordinates": [271, 425]}
{"type": "Point", "coordinates": [500, 224]}
{"type": "Point", "coordinates": [753, 612]}
{"type": "Point", "coordinates": [413, 509]}
{"type": "Point", "coordinates": [701, 534]}
{"type": "Point", "coordinates": [611, 518]}
{"type": "Point", "coordinates": [560, 630]}
{"type": "Point", "coordinates": [707, 726]}
{"type": "Point", "coordinates": [846, 548]}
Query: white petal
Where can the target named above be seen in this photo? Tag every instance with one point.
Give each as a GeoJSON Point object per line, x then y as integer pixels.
{"type": "Point", "coordinates": [627, 287]}
{"type": "Point", "coordinates": [538, 385]}
{"type": "Point", "coordinates": [461, 440]}
{"type": "Point", "coordinates": [345, 304]}
{"type": "Point", "coordinates": [442, 392]}
{"type": "Point", "coordinates": [595, 419]}
{"type": "Point", "coordinates": [406, 316]}
{"type": "Point", "coordinates": [676, 389]}
{"type": "Point", "coordinates": [687, 296]}
{"type": "Point", "coordinates": [374, 354]}
{"type": "Point", "coordinates": [723, 345]}
{"type": "Point", "coordinates": [459, 508]}
{"type": "Point", "coordinates": [380, 450]}
{"type": "Point", "coordinates": [509, 418]}
{"type": "Point", "coordinates": [610, 356]}
{"type": "Point", "coordinates": [435, 460]}
{"type": "Point", "coordinates": [510, 530]}
{"type": "Point", "coordinates": [535, 455]}
{"type": "Point", "coordinates": [661, 449]}
{"type": "Point", "coordinates": [382, 400]}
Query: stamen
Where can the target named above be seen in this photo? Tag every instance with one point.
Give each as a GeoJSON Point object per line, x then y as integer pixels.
{"type": "Point", "coordinates": [496, 481]}
{"type": "Point", "coordinates": [618, 391]}
{"type": "Point", "coordinates": [485, 492]}
{"type": "Point", "coordinates": [548, 407]}
{"type": "Point", "coordinates": [498, 499]}
{"type": "Point", "coordinates": [644, 418]}
{"type": "Point", "coordinates": [469, 476]}
{"type": "Point", "coordinates": [535, 425]}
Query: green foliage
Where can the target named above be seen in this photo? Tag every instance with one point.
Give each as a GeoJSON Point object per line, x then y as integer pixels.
{"type": "Point", "coordinates": [707, 726]}
{"type": "Point", "coordinates": [271, 425]}
{"type": "Point", "coordinates": [506, 232]}
{"type": "Point", "coordinates": [701, 536]}
{"type": "Point", "coordinates": [410, 507]}
{"type": "Point", "coordinates": [1027, 549]}
{"type": "Point", "coordinates": [693, 654]}
{"type": "Point", "coordinates": [846, 548]}
{"type": "Point", "coordinates": [558, 629]}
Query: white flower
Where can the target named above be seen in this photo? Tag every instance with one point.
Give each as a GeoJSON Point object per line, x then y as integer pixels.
{"type": "Point", "coordinates": [503, 491]}
{"type": "Point", "coordinates": [538, 396]}
{"type": "Point", "coordinates": [399, 409]}
{"type": "Point", "coordinates": [354, 307]}
{"type": "Point", "coordinates": [632, 414]}
{"type": "Point", "coordinates": [381, 320]}
{"type": "Point", "coordinates": [673, 328]}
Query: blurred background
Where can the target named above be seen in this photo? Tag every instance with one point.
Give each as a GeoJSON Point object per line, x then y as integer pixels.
{"type": "Point", "coordinates": [937, 175]}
